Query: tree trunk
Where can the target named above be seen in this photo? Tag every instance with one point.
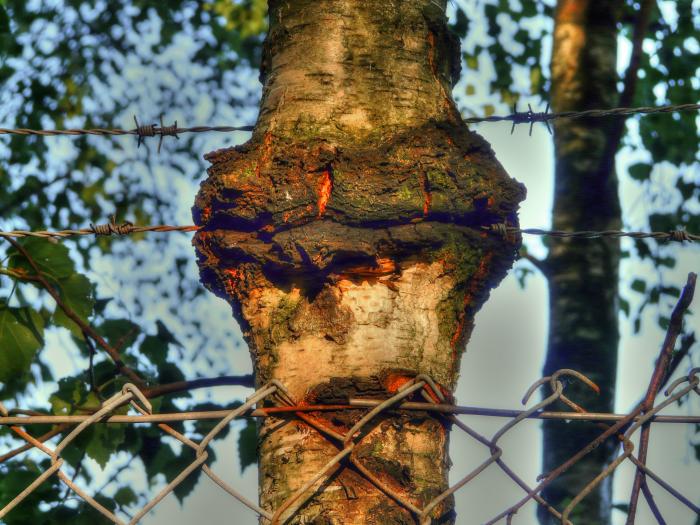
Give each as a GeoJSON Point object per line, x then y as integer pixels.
{"type": "Point", "coordinates": [583, 275]}
{"type": "Point", "coordinates": [347, 235]}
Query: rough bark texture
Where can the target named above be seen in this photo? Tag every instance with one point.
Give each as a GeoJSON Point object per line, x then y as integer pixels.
{"type": "Point", "coordinates": [347, 237]}
{"type": "Point", "coordinates": [583, 276]}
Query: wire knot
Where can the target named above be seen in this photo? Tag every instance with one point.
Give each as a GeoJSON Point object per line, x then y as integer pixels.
{"type": "Point", "coordinates": [166, 131]}
{"type": "Point", "coordinates": [531, 117]}
{"type": "Point", "coordinates": [112, 228]}
{"type": "Point", "coordinates": [679, 236]}
{"type": "Point", "coordinates": [144, 130]}
{"type": "Point", "coordinates": [500, 228]}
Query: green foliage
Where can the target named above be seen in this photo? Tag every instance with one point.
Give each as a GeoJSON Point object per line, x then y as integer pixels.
{"type": "Point", "coordinates": [21, 337]}
{"type": "Point", "coordinates": [248, 445]}
{"type": "Point", "coordinates": [68, 64]}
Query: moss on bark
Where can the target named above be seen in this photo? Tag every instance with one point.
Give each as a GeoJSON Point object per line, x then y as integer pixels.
{"type": "Point", "coordinates": [348, 237]}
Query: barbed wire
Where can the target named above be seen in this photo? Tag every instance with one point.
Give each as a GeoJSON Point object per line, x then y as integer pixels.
{"type": "Point", "coordinates": [680, 235]}
{"type": "Point", "coordinates": [531, 117]}
{"type": "Point", "coordinates": [348, 442]}
{"type": "Point", "coordinates": [108, 229]}
{"type": "Point", "coordinates": [127, 228]}
{"type": "Point", "coordinates": [143, 131]}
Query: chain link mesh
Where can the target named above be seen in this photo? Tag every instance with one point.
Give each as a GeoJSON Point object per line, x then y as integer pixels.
{"type": "Point", "coordinates": [276, 394]}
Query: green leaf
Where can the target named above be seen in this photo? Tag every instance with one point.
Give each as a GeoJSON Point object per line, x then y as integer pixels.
{"type": "Point", "coordinates": [625, 306]}
{"type": "Point", "coordinates": [21, 337]}
{"type": "Point", "coordinates": [52, 259]}
{"type": "Point", "coordinates": [99, 442]}
{"type": "Point", "coordinates": [639, 286]}
{"type": "Point", "coordinates": [125, 496]}
{"type": "Point", "coordinates": [76, 293]}
{"type": "Point", "coordinates": [154, 349]}
{"type": "Point", "coordinates": [472, 61]}
{"type": "Point", "coordinates": [120, 333]}
{"type": "Point", "coordinates": [72, 393]}
{"type": "Point", "coordinates": [104, 441]}
{"type": "Point", "coordinates": [640, 171]}
{"type": "Point", "coordinates": [461, 24]}
{"type": "Point", "coordinates": [248, 445]}
{"type": "Point", "coordinates": [535, 79]}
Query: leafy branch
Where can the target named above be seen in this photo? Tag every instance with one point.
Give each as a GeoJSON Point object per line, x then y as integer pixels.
{"type": "Point", "coordinates": [89, 332]}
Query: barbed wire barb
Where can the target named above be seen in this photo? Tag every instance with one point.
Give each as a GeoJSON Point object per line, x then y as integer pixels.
{"type": "Point", "coordinates": [531, 116]}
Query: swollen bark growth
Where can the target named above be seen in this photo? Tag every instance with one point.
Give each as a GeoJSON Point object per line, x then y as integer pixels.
{"type": "Point", "coordinates": [346, 234]}
{"type": "Point", "coordinates": [583, 276]}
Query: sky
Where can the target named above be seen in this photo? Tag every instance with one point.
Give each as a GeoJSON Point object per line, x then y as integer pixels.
{"type": "Point", "coordinates": [503, 358]}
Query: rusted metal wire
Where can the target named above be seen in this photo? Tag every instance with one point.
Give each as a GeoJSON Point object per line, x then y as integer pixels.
{"type": "Point", "coordinates": [676, 235]}
{"type": "Point", "coordinates": [347, 442]}
{"type": "Point", "coordinates": [502, 229]}
{"type": "Point", "coordinates": [639, 418]}
{"type": "Point", "coordinates": [143, 131]}
{"type": "Point", "coordinates": [125, 228]}
{"type": "Point", "coordinates": [530, 116]}
{"type": "Point", "coordinates": [13, 417]}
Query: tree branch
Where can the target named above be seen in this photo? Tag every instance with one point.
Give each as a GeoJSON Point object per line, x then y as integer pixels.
{"type": "Point", "coordinates": [657, 381]}
{"type": "Point", "coordinates": [687, 342]}
{"type": "Point", "coordinates": [182, 386]}
{"type": "Point", "coordinates": [28, 446]}
{"type": "Point", "coordinates": [84, 327]}
{"type": "Point", "coordinates": [641, 27]}
{"type": "Point", "coordinates": [540, 264]}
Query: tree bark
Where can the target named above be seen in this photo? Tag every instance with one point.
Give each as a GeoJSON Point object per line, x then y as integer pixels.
{"type": "Point", "coordinates": [347, 236]}
{"type": "Point", "coordinates": [583, 276]}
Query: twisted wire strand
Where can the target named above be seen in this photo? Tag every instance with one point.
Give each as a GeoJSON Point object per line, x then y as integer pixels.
{"type": "Point", "coordinates": [99, 229]}
{"type": "Point", "coordinates": [141, 130]}
{"type": "Point", "coordinates": [504, 230]}
{"type": "Point", "coordinates": [531, 116]}
{"type": "Point", "coordinates": [281, 401]}
{"type": "Point", "coordinates": [676, 235]}
{"type": "Point", "coordinates": [150, 130]}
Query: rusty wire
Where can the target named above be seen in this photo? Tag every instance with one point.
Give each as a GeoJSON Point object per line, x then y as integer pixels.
{"type": "Point", "coordinates": [111, 228]}
{"type": "Point", "coordinates": [502, 229]}
{"type": "Point", "coordinates": [347, 442]}
{"type": "Point", "coordinates": [143, 131]}
{"type": "Point", "coordinates": [530, 116]}
{"type": "Point", "coordinates": [676, 235]}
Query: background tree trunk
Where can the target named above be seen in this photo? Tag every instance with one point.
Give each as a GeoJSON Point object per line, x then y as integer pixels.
{"type": "Point", "coordinates": [583, 276]}
{"type": "Point", "coordinates": [347, 235]}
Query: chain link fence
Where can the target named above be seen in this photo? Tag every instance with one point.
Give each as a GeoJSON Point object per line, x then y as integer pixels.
{"type": "Point", "coordinates": [274, 394]}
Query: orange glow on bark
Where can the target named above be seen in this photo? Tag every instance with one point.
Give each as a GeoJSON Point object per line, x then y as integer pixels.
{"type": "Point", "coordinates": [427, 197]}
{"type": "Point", "coordinates": [474, 283]}
{"type": "Point", "coordinates": [232, 281]}
{"type": "Point", "coordinates": [324, 191]}
{"type": "Point", "coordinates": [266, 152]}
{"type": "Point", "coordinates": [393, 382]}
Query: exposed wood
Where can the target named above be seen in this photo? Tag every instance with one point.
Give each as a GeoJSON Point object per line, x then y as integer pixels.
{"type": "Point", "coordinates": [347, 237]}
